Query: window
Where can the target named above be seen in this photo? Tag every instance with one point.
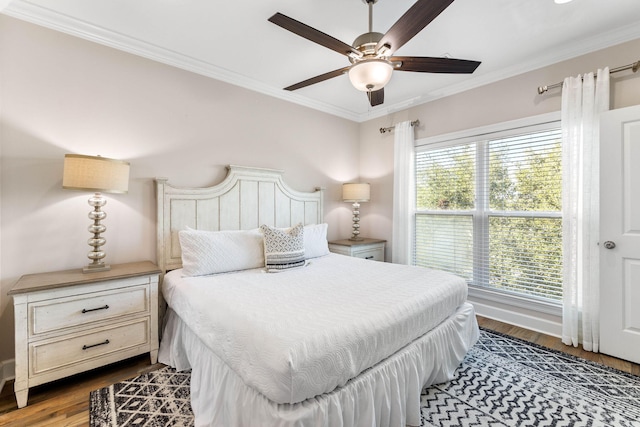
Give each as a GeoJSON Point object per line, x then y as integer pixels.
{"type": "Point", "coordinates": [488, 208]}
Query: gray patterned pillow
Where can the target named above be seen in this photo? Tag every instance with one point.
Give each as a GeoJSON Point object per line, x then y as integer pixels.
{"type": "Point", "coordinates": [283, 247]}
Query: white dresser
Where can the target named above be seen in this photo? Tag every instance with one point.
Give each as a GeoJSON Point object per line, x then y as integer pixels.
{"type": "Point", "coordinates": [68, 322]}
{"type": "Point", "coordinates": [372, 249]}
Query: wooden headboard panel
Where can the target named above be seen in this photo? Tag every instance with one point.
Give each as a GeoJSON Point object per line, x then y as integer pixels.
{"type": "Point", "coordinates": [244, 200]}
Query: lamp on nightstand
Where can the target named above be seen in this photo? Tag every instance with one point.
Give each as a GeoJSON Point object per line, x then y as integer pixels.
{"type": "Point", "coordinates": [98, 174]}
{"type": "Point", "coordinates": [355, 193]}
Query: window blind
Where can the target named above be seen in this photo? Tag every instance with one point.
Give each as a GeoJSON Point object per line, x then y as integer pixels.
{"type": "Point", "coordinates": [490, 211]}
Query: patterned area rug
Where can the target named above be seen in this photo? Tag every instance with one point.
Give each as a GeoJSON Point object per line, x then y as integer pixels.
{"type": "Point", "coordinates": [159, 398]}
{"type": "Point", "coordinates": [508, 382]}
{"type": "Point", "coordinates": [502, 381]}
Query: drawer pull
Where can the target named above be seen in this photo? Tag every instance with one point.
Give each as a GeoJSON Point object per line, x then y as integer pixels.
{"type": "Point", "coordinates": [86, 347]}
{"type": "Point", "coordinates": [369, 257]}
{"type": "Point", "coordinates": [84, 310]}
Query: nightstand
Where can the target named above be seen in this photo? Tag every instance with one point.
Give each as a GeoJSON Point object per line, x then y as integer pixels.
{"type": "Point", "coordinates": [68, 322]}
{"type": "Point", "coordinates": [372, 249]}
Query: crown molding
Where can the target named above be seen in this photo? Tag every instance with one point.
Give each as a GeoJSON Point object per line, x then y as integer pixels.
{"type": "Point", "coordinates": [560, 53]}
{"type": "Point", "coordinates": [40, 15]}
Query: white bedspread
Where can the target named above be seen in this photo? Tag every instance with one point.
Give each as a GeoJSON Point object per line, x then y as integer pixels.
{"type": "Point", "coordinates": [297, 334]}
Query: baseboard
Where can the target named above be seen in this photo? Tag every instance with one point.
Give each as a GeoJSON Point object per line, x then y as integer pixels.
{"type": "Point", "coordinates": [7, 371]}
{"type": "Point", "coordinates": [539, 322]}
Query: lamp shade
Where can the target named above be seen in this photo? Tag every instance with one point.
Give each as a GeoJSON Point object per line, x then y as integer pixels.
{"type": "Point", "coordinates": [370, 74]}
{"type": "Point", "coordinates": [95, 173]}
{"type": "Point", "coordinates": [355, 192]}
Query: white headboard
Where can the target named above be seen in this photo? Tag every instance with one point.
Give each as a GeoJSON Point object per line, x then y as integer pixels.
{"type": "Point", "coordinates": [244, 200]}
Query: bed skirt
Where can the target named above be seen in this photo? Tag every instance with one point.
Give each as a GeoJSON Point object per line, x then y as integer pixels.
{"type": "Point", "coordinates": [386, 395]}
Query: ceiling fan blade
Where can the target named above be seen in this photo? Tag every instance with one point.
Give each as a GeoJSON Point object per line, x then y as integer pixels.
{"type": "Point", "coordinates": [309, 33]}
{"type": "Point", "coordinates": [411, 23]}
{"type": "Point", "coordinates": [435, 65]}
{"type": "Point", "coordinates": [376, 97]}
{"type": "Point", "coordinates": [318, 79]}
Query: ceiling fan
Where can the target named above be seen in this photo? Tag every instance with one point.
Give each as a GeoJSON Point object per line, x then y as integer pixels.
{"type": "Point", "coordinates": [371, 57]}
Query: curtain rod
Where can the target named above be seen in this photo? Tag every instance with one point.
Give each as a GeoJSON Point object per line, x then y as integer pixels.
{"type": "Point", "coordinates": [390, 128]}
{"type": "Point", "coordinates": [635, 67]}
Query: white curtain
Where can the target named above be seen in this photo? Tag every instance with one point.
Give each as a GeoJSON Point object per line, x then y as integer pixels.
{"type": "Point", "coordinates": [403, 193]}
{"type": "Point", "coordinates": [583, 99]}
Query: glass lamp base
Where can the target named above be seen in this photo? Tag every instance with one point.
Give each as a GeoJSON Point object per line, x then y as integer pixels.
{"type": "Point", "coordinates": [91, 268]}
{"type": "Point", "coordinates": [96, 255]}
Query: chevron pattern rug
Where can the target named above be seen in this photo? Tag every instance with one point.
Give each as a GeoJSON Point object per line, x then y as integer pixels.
{"type": "Point", "coordinates": [502, 381]}
{"type": "Point", "coordinates": [508, 382]}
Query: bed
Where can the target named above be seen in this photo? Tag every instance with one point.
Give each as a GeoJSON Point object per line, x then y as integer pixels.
{"type": "Point", "coordinates": [313, 338]}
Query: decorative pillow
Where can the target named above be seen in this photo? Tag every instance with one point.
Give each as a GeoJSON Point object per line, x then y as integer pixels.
{"type": "Point", "coordinates": [315, 241]}
{"type": "Point", "coordinates": [283, 247]}
{"type": "Point", "coordinates": [210, 252]}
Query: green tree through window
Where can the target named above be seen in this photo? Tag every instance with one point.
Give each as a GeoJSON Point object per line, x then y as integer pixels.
{"type": "Point", "coordinates": [490, 211]}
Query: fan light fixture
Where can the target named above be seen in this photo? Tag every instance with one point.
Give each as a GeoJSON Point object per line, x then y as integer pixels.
{"type": "Point", "coordinates": [370, 75]}
{"type": "Point", "coordinates": [371, 54]}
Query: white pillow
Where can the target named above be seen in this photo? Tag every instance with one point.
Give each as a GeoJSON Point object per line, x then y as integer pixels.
{"type": "Point", "coordinates": [210, 252]}
{"type": "Point", "coordinates": [315, 241]}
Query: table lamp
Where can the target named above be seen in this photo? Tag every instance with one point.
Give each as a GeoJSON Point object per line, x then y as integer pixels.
{"type": "Point", "coordinates": [98, 174]}
{"type": "Point", "coordinates": [355, 193]}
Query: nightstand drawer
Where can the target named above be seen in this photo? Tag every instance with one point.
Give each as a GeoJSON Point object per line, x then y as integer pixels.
{"type": "Point", "coordinates": [61, 313]}
{"type": "Point", "coordinates": [48, 355]}
{"type": "Point", "coordinates": [372, 249]}
{"type": "Point", "coordinates": [375, 254]}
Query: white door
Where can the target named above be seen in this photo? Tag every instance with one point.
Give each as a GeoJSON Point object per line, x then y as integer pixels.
{"type": "Point", "coordinates": [620, 233]}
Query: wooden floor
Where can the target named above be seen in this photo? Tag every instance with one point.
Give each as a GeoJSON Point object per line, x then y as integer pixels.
{"type": "Point", "coordinates": [66, 402]}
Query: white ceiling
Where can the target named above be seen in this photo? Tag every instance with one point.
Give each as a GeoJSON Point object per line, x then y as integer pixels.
{"type": "Point", "coordinates": [232, 40]}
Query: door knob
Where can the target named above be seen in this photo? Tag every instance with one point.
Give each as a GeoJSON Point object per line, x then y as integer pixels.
{"type": "Point", "coordinates": [609, 244]}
